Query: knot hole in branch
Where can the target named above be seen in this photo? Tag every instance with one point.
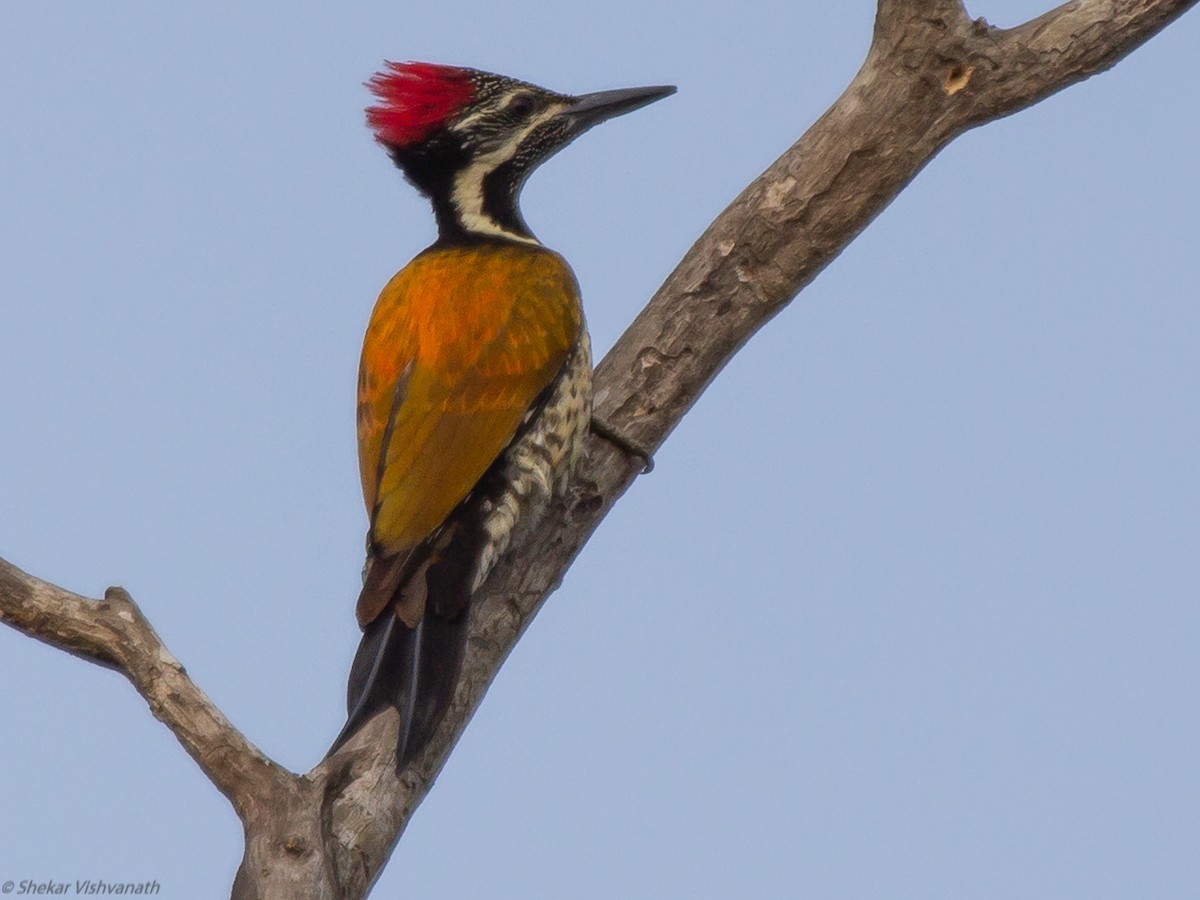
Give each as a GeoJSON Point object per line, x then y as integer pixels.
{"type": "Point", "coordinates": [297, 846]}
{"type": "Point", "coordinates": [957, 78]}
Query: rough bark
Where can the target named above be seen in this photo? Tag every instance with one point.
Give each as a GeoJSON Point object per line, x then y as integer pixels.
{"type": "Point", "coordinates": [931, 73]}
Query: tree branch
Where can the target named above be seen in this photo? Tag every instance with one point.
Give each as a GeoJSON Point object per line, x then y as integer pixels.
{"type": "Point", "coordinates": [113, 633]}
{"type": "Point", "coordinates": [931, 73]}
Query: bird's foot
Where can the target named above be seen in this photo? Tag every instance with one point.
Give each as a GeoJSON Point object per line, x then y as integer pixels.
{"type": "Point", "coordinates": [630, 446]}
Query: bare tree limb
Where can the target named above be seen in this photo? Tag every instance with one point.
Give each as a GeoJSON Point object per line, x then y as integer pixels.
{"type": "Point", "coordinates": [113, 633]}
{"type": "Point", "coordinates": [931, 74]}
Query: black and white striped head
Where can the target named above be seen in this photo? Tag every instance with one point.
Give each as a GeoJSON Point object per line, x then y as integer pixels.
{"type": "Point", "coordinates": [469, 139]}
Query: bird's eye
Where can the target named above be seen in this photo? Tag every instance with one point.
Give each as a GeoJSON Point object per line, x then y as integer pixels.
{"type": "Point", "coordinates": [522, 105]}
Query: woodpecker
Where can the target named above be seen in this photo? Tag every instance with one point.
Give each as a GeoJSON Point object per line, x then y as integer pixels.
{"type": "Point", "coordinates": [474, 390]}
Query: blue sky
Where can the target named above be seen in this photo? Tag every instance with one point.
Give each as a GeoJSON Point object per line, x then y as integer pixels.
{"type": "Point", "coordinates": [908, 608]}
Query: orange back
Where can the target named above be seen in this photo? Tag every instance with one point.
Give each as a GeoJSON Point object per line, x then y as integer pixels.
{"type": "Point", "coordinates": [460, 344]}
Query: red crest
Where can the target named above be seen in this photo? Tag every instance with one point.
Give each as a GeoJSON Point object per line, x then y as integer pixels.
{"type": "Point", "coordinates": [415, 98]}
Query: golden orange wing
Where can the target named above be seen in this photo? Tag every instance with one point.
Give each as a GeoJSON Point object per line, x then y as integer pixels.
{"type": "Point", "coordinates": [460, 345]}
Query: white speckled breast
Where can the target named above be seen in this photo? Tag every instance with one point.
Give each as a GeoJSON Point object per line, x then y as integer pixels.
{"type": "Point", "coordinates": [538, 465]}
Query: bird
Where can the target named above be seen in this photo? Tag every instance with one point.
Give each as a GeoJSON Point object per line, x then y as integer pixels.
{"type": "Point", "coordinates": [474, 388]}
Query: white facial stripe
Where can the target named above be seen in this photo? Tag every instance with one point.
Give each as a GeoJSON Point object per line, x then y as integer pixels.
{"type": "Point", "coordinates": [466, 123]}
{"type": "Point", "coordinates": [467, 195]}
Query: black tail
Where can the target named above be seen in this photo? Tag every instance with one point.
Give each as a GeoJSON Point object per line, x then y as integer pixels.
{"type": "Point", "coordinates": [380, 675]}
{"type": "Point", "coordinates": [414, 670]}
